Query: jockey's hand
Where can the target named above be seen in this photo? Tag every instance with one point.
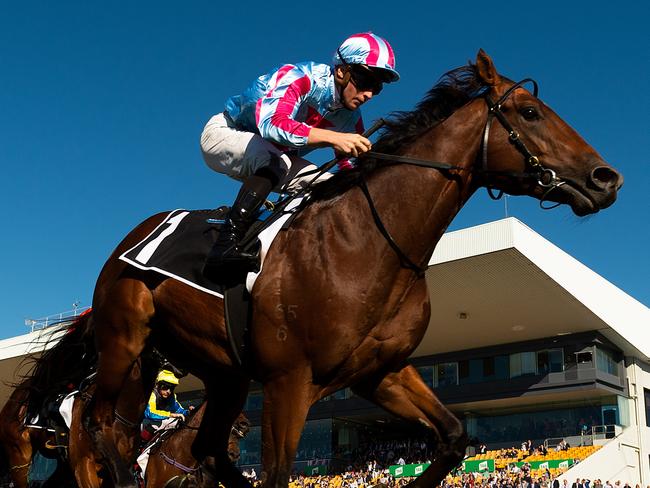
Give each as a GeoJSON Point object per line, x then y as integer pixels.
{"type": "Point", "coordinates": [350, 144]}
{"type": "Point", "coordinates": [191, 408]}
{"type": "Point", "coordinates": [344, 143]}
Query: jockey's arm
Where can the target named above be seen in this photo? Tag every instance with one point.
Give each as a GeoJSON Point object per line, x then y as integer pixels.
{"type": "Point", "coordinates": [349, 144]}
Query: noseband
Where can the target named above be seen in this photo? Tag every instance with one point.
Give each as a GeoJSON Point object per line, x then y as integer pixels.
{"type": "Point", "coordinates": [546, 177]}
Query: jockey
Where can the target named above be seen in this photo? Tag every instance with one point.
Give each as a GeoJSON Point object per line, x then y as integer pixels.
{"type": "Point", "coordinates": [260, 137]}
{"type": "Point", "coordinates": [162, 404]}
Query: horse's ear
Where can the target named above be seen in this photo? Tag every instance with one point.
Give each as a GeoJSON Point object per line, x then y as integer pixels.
{"type": "Point", "coordinates": [486, 70]}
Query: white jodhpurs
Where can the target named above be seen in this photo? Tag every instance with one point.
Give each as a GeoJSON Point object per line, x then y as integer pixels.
{"type": "Point", "coordinates": [240, 154]}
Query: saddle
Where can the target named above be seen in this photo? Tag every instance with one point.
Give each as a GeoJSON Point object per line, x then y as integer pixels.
{"type": "Point", "coordinates": [178, 247]}
{"type": "Point", "coordinates": [48, 418]}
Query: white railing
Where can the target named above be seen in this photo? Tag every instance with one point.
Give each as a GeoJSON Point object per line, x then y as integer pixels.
{"type": "Point", "coordinates": [44, 322]}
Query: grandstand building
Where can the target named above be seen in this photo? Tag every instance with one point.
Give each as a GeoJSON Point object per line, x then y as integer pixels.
{"type": "Point", "coordinates": [525, 342]}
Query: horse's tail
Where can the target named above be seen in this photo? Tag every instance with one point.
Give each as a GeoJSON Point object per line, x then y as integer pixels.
{"type": "Point", "coordinates": [69, 356]}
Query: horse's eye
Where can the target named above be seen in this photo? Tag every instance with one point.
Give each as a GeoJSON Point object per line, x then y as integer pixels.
{"type": "Point", "coordinates": [529, 113]}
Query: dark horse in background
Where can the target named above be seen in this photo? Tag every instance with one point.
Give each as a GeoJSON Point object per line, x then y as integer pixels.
{"type": "Point", "coordinates": [170, 460]}
{"type": "Point", "coordinates": [339, 305]}
{"type": "Point", "coordinates": [63, 367]}
{"type": "Point", "coordinates": [53, 372]}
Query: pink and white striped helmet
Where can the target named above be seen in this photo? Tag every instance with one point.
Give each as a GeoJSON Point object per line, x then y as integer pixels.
{"type": "Point", "coordinates": [369, 49]}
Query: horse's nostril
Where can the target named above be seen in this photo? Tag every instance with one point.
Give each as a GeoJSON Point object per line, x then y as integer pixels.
{"type": "Point", "coordinates": [605, 177]}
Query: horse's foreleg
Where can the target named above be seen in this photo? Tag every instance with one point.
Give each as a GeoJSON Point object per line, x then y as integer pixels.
{"type": "Point", "coordinates": [287, 400]}
{"type": "Point", "coordinates": [404, 393]}
{"type": "Point", "coordinates": [121, 331]}
{"type": "Point", "coordinates": [18, 447]}
{"type": "Point", "coordinates": [210, 446]}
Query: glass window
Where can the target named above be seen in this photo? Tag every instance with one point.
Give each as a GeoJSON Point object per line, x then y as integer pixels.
{"type": "Point", "coordinates": [522, 364]}
{"type": "Point", "coordinates": [488, 367]}
{"type": "Point", "coordinates": [550, 361]}
{"type": "Point", "coordinates": [254, 401]}
{"type": "Point", "coordinates": [562, 421]}
{"type": "Point", "coordinates": [502, 367]}
{"type": "Point", "coordinates": [249, 447]}
{"type": "Point", "coordinates": [584, 357]}
{"type": "Point", "coordinates": [646, 397]}
{"type": "Point", "coordinates": [427, 374]}
{"type": "Point", "coordinates": [471, 371]}
{"type": "Point", "coordinates": [463, 371]}
{"type": "Point", "coordinates": [316, 440]}
{"type": "Point", "coordinates": [606, 362]}
{"type": "Point", "coordinates": [446, 374]}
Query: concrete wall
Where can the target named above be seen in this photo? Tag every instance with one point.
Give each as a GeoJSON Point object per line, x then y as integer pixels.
{"type": "Point", "coordinates": [627, 457]}
{"type": "Point", "coordinates": [617, 460]}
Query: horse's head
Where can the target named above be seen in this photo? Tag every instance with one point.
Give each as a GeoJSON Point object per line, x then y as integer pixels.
{"type": "Point", "coordinates": [528, 149]}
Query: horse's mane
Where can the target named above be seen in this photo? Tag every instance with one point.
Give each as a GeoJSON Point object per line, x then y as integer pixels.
{"type": "Point", "coordinates": [67, 362]}
{"type": "Point", "coordinates": [453, 90]}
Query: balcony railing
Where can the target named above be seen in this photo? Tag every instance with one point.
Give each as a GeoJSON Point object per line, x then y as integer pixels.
{"type": "Point", "coordinates": [44, 322]}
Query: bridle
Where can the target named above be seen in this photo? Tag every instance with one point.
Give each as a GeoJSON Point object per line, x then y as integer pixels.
{"type": "Point", "coordinates": [545, 177]}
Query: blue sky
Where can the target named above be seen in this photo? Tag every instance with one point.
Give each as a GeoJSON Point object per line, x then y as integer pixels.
{"type": "Point", "coordinates": [102, 105]}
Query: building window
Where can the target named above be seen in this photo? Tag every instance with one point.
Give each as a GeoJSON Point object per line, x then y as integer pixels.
{"type": "Point", "coordinates": [550, 361]}
{"type": "Point", "coordinates": [446, 374]}
{"type": "Point", "coordinates": [522, 364]}
{"type": "Point", "coordinates": [584, 357]}
{"type": "Point", "coordinates": [606, 362]}
{"type": "Point", "coordinates": [646, 398]}
{"type": "Point", "coordinates": [427, 374]}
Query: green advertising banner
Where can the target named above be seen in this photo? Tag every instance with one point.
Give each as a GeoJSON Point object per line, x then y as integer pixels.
{"type": "Point", "coordinates": [315, 470]}
{"type": "Point", "coordinates": [400, 470]}
{"type": "Point", "coordinates": [553, 463]}
{"type": "Point", "coordinates": [488, 465]}
{"type": "Point", "coordinates": [478, 466]}
{"type": "Point", "coordinates": [481, 466]}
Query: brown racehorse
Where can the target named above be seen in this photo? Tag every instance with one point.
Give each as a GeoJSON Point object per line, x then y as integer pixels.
{"type": "Point", "coordinates": [338, 304]}
{"type": "Point", "coordinates": [171, 460]}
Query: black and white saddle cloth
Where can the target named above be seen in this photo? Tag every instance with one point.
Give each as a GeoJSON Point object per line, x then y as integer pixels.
{"type": "Point", "coordinates": [178, 246]}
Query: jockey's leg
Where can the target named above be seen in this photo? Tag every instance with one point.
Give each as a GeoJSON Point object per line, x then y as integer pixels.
{"type": "Point", "coordinates": [226, 251]}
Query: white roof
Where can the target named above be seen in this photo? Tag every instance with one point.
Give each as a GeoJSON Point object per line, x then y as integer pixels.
{"type": "Point", "coordinates": [515, 284]}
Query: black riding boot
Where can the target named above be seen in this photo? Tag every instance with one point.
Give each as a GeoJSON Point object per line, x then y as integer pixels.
{"type": "Point", "coordinates": [226, 253]}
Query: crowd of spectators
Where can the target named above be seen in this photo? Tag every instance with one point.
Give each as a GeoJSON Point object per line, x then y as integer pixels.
{"type": "Point", "coordinates": [373, 459]}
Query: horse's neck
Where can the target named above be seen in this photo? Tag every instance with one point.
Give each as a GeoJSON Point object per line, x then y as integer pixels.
{"type": "Point", "coordinates": [429, 199]}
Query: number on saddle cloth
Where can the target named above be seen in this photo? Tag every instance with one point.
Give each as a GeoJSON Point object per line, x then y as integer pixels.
{"type": "Point", "coordinates": [178, 246]}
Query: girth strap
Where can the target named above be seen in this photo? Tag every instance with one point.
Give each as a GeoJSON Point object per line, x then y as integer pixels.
{"type": "Point", "coordinates": [176, 464]}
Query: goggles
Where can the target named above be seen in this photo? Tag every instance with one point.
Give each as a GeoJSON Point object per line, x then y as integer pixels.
{"type": "Point", "coordinates": [165, 386]}
{"type": "Point", "coordinates": [362, 77]}
{"type": "Point", "coordinates": [365, 80]}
